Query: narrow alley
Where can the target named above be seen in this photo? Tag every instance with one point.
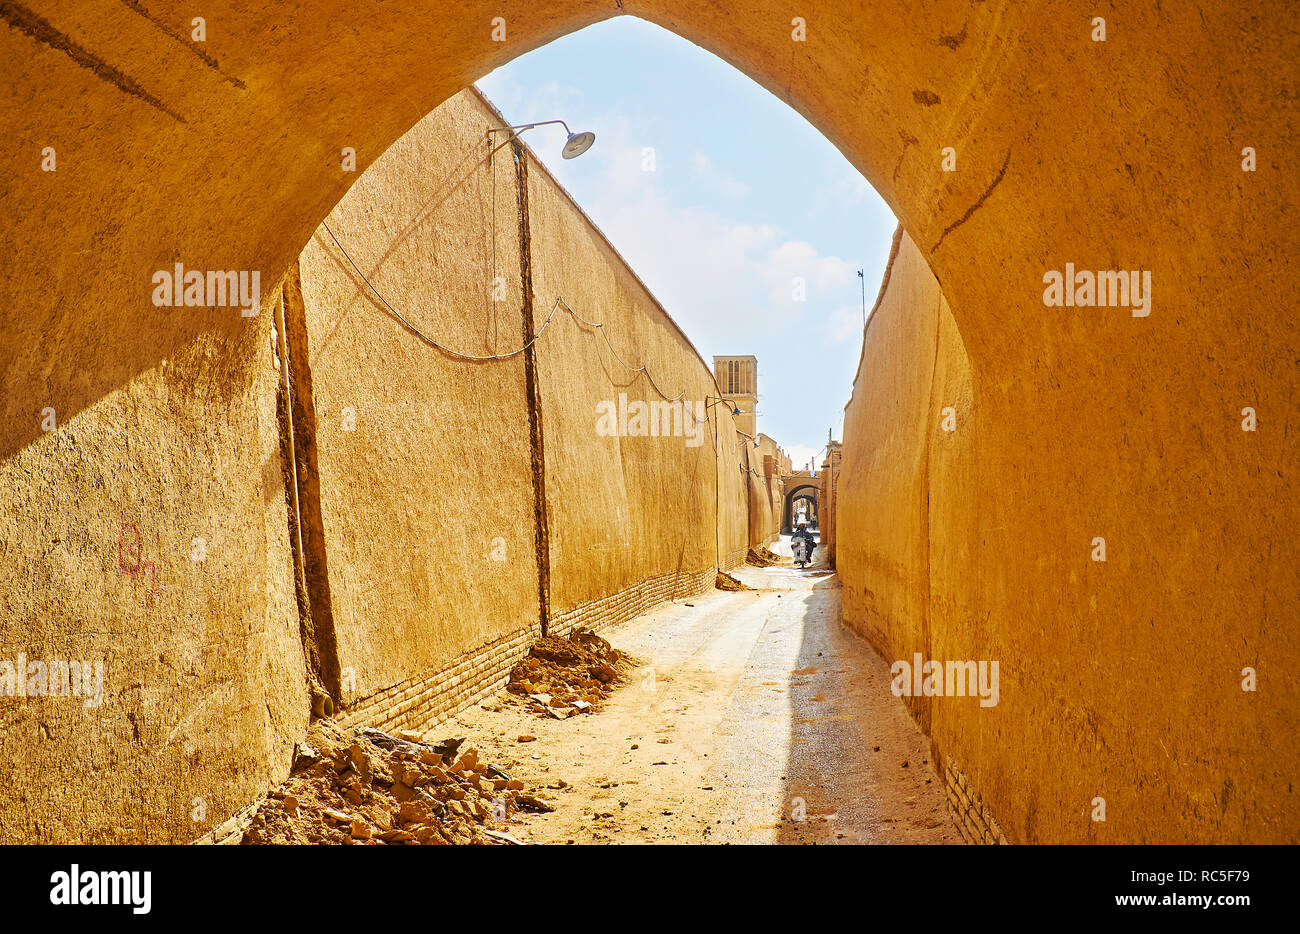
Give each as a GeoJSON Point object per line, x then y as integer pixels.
{"type": "Point", "coordinates": [415, 417]}
{"type": "Point", "coordinates": [751, 717]}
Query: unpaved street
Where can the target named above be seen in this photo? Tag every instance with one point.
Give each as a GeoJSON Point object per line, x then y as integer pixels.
{"type": "Point", "coordinates": [748, 710]}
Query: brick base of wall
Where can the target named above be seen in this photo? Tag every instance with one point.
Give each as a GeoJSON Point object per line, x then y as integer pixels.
{"type": "Point", "coordinates": [627, 604]}
{"type": "Point", "coordinates": [735, 558]}
{"type": "Point", "coordinates": [422, 702]}
{"type": "Point", "coordinates": [972, 818]}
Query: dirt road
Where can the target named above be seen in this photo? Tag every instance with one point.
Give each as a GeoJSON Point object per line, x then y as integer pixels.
{"type": "Point", "coordinates": [755, 717]}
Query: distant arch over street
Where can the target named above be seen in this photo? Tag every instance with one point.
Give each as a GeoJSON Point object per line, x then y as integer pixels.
{"type": "Point", "coordinates": [800, 488]}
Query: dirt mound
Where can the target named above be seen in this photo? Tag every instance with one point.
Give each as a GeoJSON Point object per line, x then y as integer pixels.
{"type": "Point", "coordinates": [726, 582]}
{"type": "Point", "coordinates": [560, 651]}
{"type": "Point", "coordinates": [762, 558]}
{"type": "Point", "coordinates": [367, 786]}
{"type": "Point", "coordinates": [562, 677]}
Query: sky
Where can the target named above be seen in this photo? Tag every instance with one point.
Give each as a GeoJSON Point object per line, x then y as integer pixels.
{"type": "Point", "coordinates": [720, 197]}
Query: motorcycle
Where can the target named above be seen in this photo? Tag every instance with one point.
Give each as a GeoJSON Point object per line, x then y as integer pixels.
{"type": "Point", "coordinates": [802, 548]}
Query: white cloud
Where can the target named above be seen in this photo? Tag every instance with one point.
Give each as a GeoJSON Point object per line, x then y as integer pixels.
{"type": "Point", "coordinates": [822, 276]}
{"type": "Point", "coordinates": [706, 175]}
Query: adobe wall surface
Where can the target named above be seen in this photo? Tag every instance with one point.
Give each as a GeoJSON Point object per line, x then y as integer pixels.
{"type": "Point", "coordinates": [426, 461]}
{"type": "Point", "coordinates": [950, 544]}
{"type": "Point", "coordinates": [829, 503]}
{"type": "Point", "coordinates": [652, 491]}
{"type": "Point", "coordinates": [766, 491]}
{"type": "Point", "coordinates": [884, 535]}
{"type": "Point", "coordinates": [425, 489]}
{"type": "Point", "coordinates": [736, 519]}
{"type": "Point", "coordinates": [766, 500]}
{"type": "Point", "coordinates": [147, 533]}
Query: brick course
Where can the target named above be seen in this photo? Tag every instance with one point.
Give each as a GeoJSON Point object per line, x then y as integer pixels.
{"type": "Point", "coordinates": [422, 702]}
{"type": "Point", "coordinates": [969, 813]}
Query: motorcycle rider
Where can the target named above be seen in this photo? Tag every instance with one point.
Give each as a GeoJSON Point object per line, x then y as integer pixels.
{"type": "Point", "coordinates": [802, 532]}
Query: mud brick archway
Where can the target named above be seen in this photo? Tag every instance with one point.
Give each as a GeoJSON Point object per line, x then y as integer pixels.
{"type": "Point", "coordinates": [1121, 154]}
{"type": "Point", "coordinates": [810, 491]}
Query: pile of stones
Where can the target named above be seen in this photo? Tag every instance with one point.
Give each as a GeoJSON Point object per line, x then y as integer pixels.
{"type": "Point", "coordinates": [563, 677]}
{"type": "Point", "coordinates": [363, 785]}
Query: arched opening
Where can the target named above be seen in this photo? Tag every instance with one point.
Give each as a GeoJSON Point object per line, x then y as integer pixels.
{"type": "Point", "coordinates": [1066, 420]}
{"type": "Point", "coordinates": [808, 494]}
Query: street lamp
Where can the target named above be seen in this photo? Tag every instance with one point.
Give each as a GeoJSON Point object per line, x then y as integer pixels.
{"type": "Point", "coordinates": [574, 146]}
{"type": "Point", "coordinates": [735, 409]}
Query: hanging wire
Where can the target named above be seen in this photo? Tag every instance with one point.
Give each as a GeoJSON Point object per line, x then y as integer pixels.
{"type": "Point", "coordinates": [559, 303]}
{"type": "Point", "coordinates": [426, 338]}
{"type": "Point", "coordinates": [634, 369]}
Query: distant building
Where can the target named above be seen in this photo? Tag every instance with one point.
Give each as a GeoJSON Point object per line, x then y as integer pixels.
{"type": "Point", "coordinates": [830, 494]}
{"type": "Point", "coordinates": [738, 379]}
{"type": "Point", "coordinates": [773, 456]}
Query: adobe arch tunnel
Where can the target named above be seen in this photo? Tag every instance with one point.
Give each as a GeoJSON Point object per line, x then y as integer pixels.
{"type": "Point", "coordinates": [1085, 421]}
{"type": "Point", "coordinates": [807, 493]}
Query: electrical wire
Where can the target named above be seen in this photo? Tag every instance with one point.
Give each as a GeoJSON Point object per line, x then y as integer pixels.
{"type": "Point", "coordinates": [420, 334]}
{"type": "Point", "coordinates": [559, 303]}
{"type": "Point", "coordinates": [626, 365]}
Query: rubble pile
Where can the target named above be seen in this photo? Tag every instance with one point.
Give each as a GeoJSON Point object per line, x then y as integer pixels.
{"type": "Point", "coordinates": [727, 582]}
{"type": "Point", "coordinates": [366, 786]}
{"type": "Point", "coordinates": [761, 557]}
{"type": "Point", "coordinates": [563, 677]}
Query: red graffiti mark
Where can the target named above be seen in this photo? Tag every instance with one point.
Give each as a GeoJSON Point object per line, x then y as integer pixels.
{"type": "Point", "coordinates": [140, 564]}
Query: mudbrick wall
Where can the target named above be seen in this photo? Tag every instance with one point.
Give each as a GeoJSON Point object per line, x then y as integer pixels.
{"type": "Point", "coordinates": [148, 535]}
{"type": "Point", "coordinates": [675, 490]}
{"type": "Point", "coordinates": [326, 501]}
{"type": "Point", "coordinates": [766, 500]}
{"type": "Point", "coordinates": [1108, 704]}
{"type": "Point", "coordinates": [426, 522]}
{"type": "Point", "coordinates": [431, 464]}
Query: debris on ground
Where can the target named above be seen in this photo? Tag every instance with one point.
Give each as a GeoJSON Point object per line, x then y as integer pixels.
{"type": "Point", "coordinates": [563, 677]}
{"type": "Point", "coordinates": [727, 582]}
{"type": "Point", "coordinates": [363, 785]}
{"type": "Point", "coordinates": [762, 558]}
